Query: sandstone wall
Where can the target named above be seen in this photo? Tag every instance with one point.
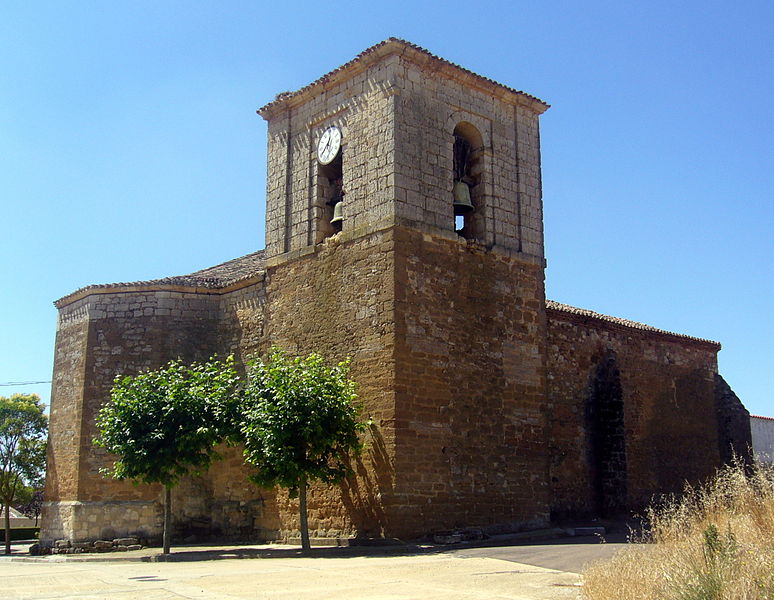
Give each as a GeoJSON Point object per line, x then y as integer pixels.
{"type": "Point", "coordinates": [106, 334]}
{"type": "Point", "coordinates": [242, 322]}
{"type": "Point", "coordinates": [470, 387]}
{"type": "Point", "coordinates": [632, 413]}
{"type": "Point", "coordinates": [363, 108]}
{"type": "Point", "coordinates": [398, 114]}
{"type": "Point", "coordinates": [339, 301]}
{"type": "Point", "coordinates": [508, 196]}
{"type": "Point", "coordinates": [67, 393]}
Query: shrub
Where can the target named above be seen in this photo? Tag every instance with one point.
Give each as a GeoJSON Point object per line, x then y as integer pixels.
{"type": "Point", "coordinates": [715, 542]}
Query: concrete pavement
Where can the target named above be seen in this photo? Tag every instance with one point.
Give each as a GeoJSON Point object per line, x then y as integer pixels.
{"type": "Point", "coordinates": [492, 572]}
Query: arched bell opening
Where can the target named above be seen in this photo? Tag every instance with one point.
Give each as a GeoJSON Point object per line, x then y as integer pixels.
{"type": "Point", "coordinates": [330, 198]}
{"type": "Point", "coordinates": [467, 153]}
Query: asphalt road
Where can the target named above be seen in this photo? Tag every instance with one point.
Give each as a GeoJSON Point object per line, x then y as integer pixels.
{"type": "Point", "coordinates": [570, 554]}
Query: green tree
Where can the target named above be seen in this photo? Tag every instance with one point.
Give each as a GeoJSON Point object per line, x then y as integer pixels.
{"type": "Point", "coordinates": [165, 423]}
{"type": "Point", "coordinates": [299, 422]}
{"type": "Point", "coordinates": [30, 503]}
{"type": "Point", "coordinates": [23, 429]}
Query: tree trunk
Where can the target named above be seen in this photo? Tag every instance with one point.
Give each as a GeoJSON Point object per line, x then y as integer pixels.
{"type": "Point", "coordinates": [7, 520]}
{"type": "Point", "coordinates": [305, 545]}
{"type": "Point", "coordinates": [167, 517]}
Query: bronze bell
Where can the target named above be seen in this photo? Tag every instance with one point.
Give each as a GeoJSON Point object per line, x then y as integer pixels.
{"type": "Point", "coordinates": [462, 203]}
{"type": "Point", "coordinates": [338, 213]}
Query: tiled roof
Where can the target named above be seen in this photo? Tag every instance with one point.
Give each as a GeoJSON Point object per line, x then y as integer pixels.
{"type": "Point", "coordinates": [383, 48]}
{"type": "Point", "coordinates": [233, 270]}
{"type": "Point", "coordinates": [762, 417]}
{"type": "Point", "coordinates": [212, 278]}
{"type": "Point", "coordinates": [589, 314]}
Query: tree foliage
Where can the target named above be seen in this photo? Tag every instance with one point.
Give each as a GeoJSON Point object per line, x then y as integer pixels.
{"type": "Point", "coordinates": [23, 429]}
{"type": "Point", "coordinates": [299, 422]}
{"type": "Point", "coordinates": [165, 423]}
{"type": "Point", "coordinates": [296, 417]}
{"type": "Point", "coordinates": [30, 503]}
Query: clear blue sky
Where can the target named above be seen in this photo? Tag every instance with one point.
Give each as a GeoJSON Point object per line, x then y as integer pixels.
{"type": "Point", "coordinates": [130, 149]}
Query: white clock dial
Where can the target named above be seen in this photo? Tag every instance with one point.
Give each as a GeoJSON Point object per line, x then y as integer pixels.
{"type": "Point", "coordinates": [329, 145]}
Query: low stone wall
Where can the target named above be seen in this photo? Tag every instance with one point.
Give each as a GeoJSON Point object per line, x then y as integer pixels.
{"type": "Point", "coordinates": [75, 521]}
{"type": "Point", "coordinates": [116, 545]}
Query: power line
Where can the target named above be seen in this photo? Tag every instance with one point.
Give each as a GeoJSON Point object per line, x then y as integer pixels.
{"type": "Point", "coordinates": [9, 383]}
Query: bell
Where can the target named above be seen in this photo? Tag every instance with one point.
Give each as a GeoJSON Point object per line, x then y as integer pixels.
{"type": "Point", "coordinates": [338, 213]}
{"type": "Point", "coordinates": [462, 203]}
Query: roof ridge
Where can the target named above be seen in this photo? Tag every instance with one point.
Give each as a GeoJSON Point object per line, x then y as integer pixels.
{"type": "Point", "coordinates": [285, 96]}
{"type": "Point", "coordinates": [257, 254]}
{"type": "Point", "coordinates": [584, 312]}
{"type": "Point", "coordinates": [196, 279]}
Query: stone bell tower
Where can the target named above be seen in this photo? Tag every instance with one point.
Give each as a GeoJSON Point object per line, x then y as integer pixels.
{"type": "Point", "coordinates": [404, 229]}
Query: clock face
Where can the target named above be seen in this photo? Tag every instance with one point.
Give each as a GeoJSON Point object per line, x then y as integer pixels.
{"type": "Point", "coordinates": [329, 145]}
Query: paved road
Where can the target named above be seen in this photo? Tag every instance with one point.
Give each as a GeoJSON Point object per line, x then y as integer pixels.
{"type": "Point", "coordinates": [564, 554]}
{"type": "Point", "coordinates": [540, 571]}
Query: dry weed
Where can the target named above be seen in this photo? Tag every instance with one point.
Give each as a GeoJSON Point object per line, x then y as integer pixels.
{"type": "Point", "coordinates": [713, 543]}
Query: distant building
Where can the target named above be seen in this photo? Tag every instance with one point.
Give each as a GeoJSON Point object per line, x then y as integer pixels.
{"type": "Point", "coordinates": [762, 429]}
{"type": "Point", "coordinates": [17, 519]}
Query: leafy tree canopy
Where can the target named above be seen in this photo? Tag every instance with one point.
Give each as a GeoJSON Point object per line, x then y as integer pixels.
{"type": "Point", "coordinates": [23, 429]}
{"type": "Point", "coordinates": [30, 502]}
{"type": "Point", "coordinates": [165, 423]}
{"type": "Point", "coordinates": [299, 420]}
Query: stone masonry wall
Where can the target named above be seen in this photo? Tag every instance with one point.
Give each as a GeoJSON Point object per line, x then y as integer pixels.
{"type": "Point", "coordinates": [362, 108]}
{"type": "Point", "coordinates": [339, 301]}
{"type": "Point", "coordinates": [88, 521]}
{"type": "Point", "coordinates": [67, 393]}
{"type": "Point", "coordinates": [508, 195]}
{"type": "Point", "coordinates": [242, 325]}
{"type": "Point", "coordinates": [101, 336]}
{"type": "Point", "coordinates": [669, 427]}
{"type": "Point", "coordinates": [397, 120]}
{"type": "Point", "coordinates": [397, 114]}
{"type": "Point", "coordinates": [470, 387]}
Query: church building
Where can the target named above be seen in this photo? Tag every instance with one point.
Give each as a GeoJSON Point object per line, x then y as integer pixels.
{"type": "Point", "coordinates": [404, 229]}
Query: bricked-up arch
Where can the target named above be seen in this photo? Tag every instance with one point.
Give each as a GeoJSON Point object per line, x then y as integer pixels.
{"type": "Point", "coordinates": [467, 167]}
{"type": "Point", "coordinates": [606, 438]}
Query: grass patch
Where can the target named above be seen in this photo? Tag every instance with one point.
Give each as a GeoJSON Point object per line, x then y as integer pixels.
{"type": "Point", "coordinates": [715, 542]}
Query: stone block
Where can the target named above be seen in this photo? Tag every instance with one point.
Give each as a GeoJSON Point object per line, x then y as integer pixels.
{"type": "Point", "coordinates": [83, 545]}
{"type": "Point", "coordinates": [127, 541]}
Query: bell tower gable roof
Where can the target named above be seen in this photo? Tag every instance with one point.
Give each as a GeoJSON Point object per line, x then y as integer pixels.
{"type": "Point", "coordinates": [406, 50]}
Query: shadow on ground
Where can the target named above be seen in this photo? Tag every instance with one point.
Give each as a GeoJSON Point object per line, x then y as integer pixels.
{"type": "Point", "coordinates": [567, 551]}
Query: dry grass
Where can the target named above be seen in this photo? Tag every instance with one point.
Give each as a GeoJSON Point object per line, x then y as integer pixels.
{"type": "Point", "coordinates": [714, 543]}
